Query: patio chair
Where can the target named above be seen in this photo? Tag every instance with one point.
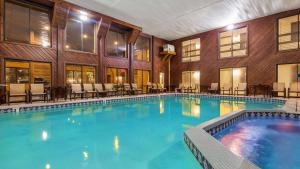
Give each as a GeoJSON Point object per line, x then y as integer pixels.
{"type": "Point", "coordinates": [99, 89]}
{"type": "Point", "coordinates": [180, 88]}
{"type": "Point", "coordinates": [242, 87]}
{"type": "Point", "coordinates": [38, 90]}
{"type": "Point", "coordinates": [109, 88]}
{"type": "Point", "coordinates": [214, 87]}
{"type": "Point", "coordinates": [149, 87]}
{"type": "Point", "coordinates": [279, 88]}
{"type": "Point", "coordinates": [193, 88]}
{"type": "Point", "coordinates": [135, 89]}
{"type": "Point", "coordinates": [126, 89]}
{"type": "Point", "coordinates": [294, 89]}
{"type": "Point", "coordinates": [76, 90]}
{"type": "Point", "coordinates": [155, 88]}
{"type": "Point", "coordinates": [226, 88]}
{"type": "Point", "coordinates": [17, 91]}
{"type": "Point", "coordinates": [88, 89]}
{"type": "Point", "coordinates": [161, 88]}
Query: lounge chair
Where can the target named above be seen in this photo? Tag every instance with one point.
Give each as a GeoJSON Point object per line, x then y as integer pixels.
{"type": "Point", "coordinates": [109, 88]}
{"type": "Point", "coordinates": [88, 89]}
{"type": "Point", "coordinates": [214, 87]}
{"type": "Point", "coordinates": [226, 88]}
{"type": "Point", "coordinates": [135, 89]}
{"type": "Point", "coordinates": [193, 88]}
{"type": "Point", "coordinates": [99, 90]}
{"type": "Point", "coordinates": [76, 90]}
{"type": "Point", "coordinates": [180, 88]}
{"type": "Point", "coordinates": [294, 89]}
{"type": "Point", "coordinates": [242, 87]}
{"type": "Point", "coordinates": [279, 88]}
{"type": "Point", "coordinates": [161, 88]}
{"type": "Point", "coordinates": [126, 89]}
{"type": "Point", "coordinates": [38, 90]}
{"type": "Point", "coordinates": [149, 87]}
{"type": "Point", "coordinates": [17, 91]}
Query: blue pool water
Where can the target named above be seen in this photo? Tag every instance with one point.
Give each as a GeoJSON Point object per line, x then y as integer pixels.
{"type": "Point", "coordinates": [133, 135]}
{"type": "Point", "coordinates": [269, 143]}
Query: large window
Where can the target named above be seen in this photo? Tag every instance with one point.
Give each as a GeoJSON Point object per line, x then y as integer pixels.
{"type": "Point", "coordinates": [191, 50]}
{"type": "Point", "coordinates": [288, 33]}
{"type": "Point", "coordinates": [27, 72]}
{"type": "Point", "coordinates": [76, 74]}
{"type": "Point", "coordinates": [232, 77]}
{"type": "Point", "coordinates": [288, 74]}
{"type": "Point", "coordinates": [191, 78]}
{"type": "Point", "coordinates": [116, 75]}
{"type": "Point", "coordinates": [26, 23]}
{"type": "Point", "coordinates": [142, 49]}
{"type": "Point", "coordinates": [233, 43]}
{"type": "Point", "coordinates": [116, 43]}
{"type": "Point", "coordinates": [80, 34]}
{"type": "Point", "coordinates": [141, 78]}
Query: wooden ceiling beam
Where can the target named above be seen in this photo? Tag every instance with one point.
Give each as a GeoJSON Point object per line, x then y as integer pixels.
{"type": "Point", "coordinates": [60, 14]}
{"type": "Point", "coordinates": [133, 36]}
{"type": "Point", "coordinates": [104, 26]}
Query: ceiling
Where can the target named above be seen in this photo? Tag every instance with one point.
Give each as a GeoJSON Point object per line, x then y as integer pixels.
{"type": "Point", "coordinates": [173, 19]}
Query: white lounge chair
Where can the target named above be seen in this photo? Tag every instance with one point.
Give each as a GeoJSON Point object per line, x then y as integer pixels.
{"type": "Point", "coordinates": [17, 91]}
{"type": "Point", "coordinates": [294, 89]}
{"type": "Point", "coordinates": [279, 88]}
{"type": "Point", "coordinates": [99, 89]}
{"type": "Point", "coordinates": [89, 89]}
{"type": "Point", "coordinates": [241, 88]}
{"type": "Point", "coordinates": [76, 90]}
{"type": "Point", "coordinates": [226, 88]}
{"type": "Point", "coordinates": [214, 87]}
{"type": "Point", "coordinates": [37, 90]}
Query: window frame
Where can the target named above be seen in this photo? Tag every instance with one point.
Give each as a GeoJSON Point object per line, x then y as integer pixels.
{"type": "Point", "coordinates": [81, 70]}
{"type": "Point", "coordinates": [277, 33]}
{"type": "Point", "coordinates": [190, 61]}
{"type": "Point", "coordinates": [29, 73]}
{"type": "Point", "coordinates": [126, 44]}
{"type": "Point", "coordinates": [111, 67]}
{"type": "Point", "coordinates": [240, 67]}
{"type": "Point", "coordinates": [30, 6]}
{"type": "Point", "coordinates": [247, 43]}
{"type": "Point", "coordinates": [142, 70]}
{"type": "Point", "coordinates": [150, 49]}
{"type": "Point", "coordinates": [80, 51]}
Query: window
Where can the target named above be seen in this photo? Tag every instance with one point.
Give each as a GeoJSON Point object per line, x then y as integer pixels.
{"type": "Point", "coordinates": [233, 43]}
{"type": "Point", "coordinates": [191, 50]}
{"type": "Point", "coordinates": [232, 77]}
{"type": "Point", "coordinates": [142, 49]}
{"type": "Point", "coordinates": [26, 23]}
{"type": "Point", "coordinates": [28, 72]}
{"type": "Point", "coordinates": [141, 78]}
{"type": "Point", "coordinates": [191, 78]}
{"type": "Point", "coordinates": [288, 33]}
{"type": "Point", "coordinates": [116, 43]}
{"type": "Point", "coordinates": [288, 74]}
{"type": "Point", "coordinates": [77, 74]}
{"type": "Point", "coordinates": [116, 75]}
{"type": "Point", "coordinates": [162, 78]}
{"type": "Point", "coordinates": [80, 35]}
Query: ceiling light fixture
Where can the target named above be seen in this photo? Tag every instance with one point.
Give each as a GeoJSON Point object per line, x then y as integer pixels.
{"type": "Point", "coordinates": [83, 16]}
{"type": "Point", "coordinates": [230, 27]}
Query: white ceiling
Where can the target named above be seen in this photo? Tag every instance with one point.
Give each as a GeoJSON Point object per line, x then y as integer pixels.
{"type": "Point", "coordinates": [173, 19]}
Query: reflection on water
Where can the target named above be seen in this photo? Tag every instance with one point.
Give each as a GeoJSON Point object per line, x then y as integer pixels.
{"type": "Point", "coordinates": [191, 107]}
{"type": "Point", "coordinates": [227, 106]}
{"type": "Point", "coordinates": [161, 106]}
{"type": "Point", "coordinates": [85, 155]}
{"type": "Point", "coordinates": [116, 144]}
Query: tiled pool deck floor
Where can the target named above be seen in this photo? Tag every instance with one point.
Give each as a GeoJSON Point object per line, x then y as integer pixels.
{"type": "Point", "coordinates": [208, 151]}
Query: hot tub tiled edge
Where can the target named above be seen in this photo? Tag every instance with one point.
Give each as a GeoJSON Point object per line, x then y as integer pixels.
{"type": "Point", "coordinates": [210, 153]}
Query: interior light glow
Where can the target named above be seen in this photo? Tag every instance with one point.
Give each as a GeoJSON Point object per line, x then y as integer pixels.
{"type": "Point", "coordinates": [46, 28]}
{"type": "Point", "coordinates": [83, 16]}
{"type": "Point", "coordinates": [116, 43]}
{"type": "Point", "coordinates": [236, 72]}
{"type": "Point", "coordinates": [230, 27]}
{"type": "Point", "coordinates": [197, 46]}
{"type": "Point", "coordinates": [196, 75]}
{"type": "Point", "coordinates": [85, 36]}
{"type": "Point", "coordinates": [67, 46]}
